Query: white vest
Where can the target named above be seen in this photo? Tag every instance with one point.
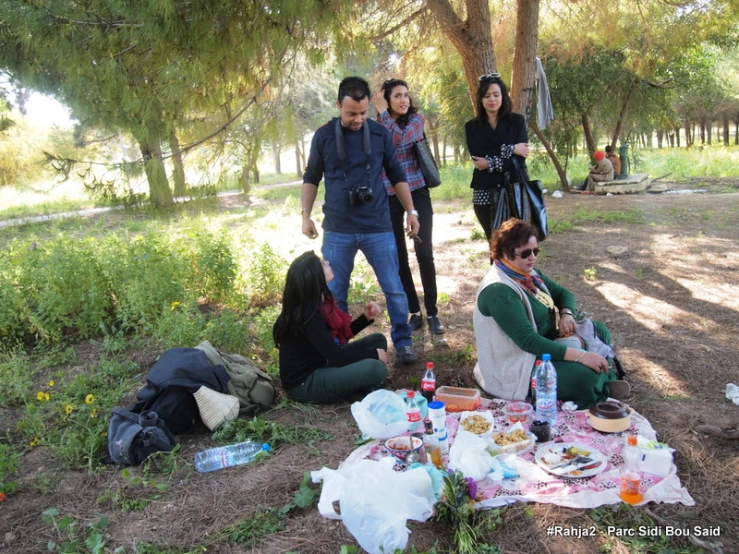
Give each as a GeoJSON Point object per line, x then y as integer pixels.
{"type": "Point", "coordinates": [503, 369]}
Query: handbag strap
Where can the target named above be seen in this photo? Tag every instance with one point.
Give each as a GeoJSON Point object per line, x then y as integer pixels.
{"type": "Point", "coordinates": [519, 170]}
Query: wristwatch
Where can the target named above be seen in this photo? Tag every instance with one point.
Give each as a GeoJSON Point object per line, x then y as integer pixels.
{"type": "Point", "coordinates": [565, 311]}
{"type": "Point", "coordinates": [412, 212]}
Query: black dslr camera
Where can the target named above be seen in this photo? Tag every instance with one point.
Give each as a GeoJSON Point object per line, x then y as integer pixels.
{"type": "Point", "coordinates": [361, 194]}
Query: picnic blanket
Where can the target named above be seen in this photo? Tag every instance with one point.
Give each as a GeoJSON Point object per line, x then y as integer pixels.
{"type": "Point", "coordinates": [577, 492]}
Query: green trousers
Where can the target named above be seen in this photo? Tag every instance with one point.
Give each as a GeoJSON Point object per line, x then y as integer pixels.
{"type": "Point", "coordinates": [330, 384]}
{"type": "Point", "coordinates": [582, 385]}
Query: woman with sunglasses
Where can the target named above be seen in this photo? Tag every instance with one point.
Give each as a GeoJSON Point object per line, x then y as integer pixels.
{"type": "Point", "coordinates": [514, 320]}
{"type": "Point", "coordinates": [494, 136]}
{"type": "Point", "coordinates": [318, 364]}
{"type": "Point", "coordinates": [398, 114]}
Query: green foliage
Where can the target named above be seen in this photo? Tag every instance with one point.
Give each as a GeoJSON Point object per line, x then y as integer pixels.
{"type": "Point", "coordinates": [9, 463]}
{"type": "Point", "coordinates": [228, 332]}
{"type": "Point", "coordinates": [261, 430]}
{"type": "Point", "coordinates": [261, 329]}
{"type": "Point", "coordinates": [16, 378]}
{"type": "Point", "coordinates": [262, 278]}
{"type": "Point", "coordinates": [74, 538]}
{"type": "Point", "coordinates": [180, 325]}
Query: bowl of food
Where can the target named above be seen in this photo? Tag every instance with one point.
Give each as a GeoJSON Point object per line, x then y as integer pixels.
{"type": "Point", "coordinates": [400, 447]}
{"type": "Point", "coordinates": [478, 423]}
{"type": "Point", "coordinates": [512, 441]}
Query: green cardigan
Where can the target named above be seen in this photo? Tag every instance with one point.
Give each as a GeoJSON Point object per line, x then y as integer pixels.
{"type": "Point", "coordinates": [501, 302]}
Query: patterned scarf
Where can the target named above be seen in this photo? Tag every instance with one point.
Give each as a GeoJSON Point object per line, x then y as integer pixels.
{"type": "Point", "coordinates": [339, 323]}
{"type": "Point", "coordinates": [531, 282]}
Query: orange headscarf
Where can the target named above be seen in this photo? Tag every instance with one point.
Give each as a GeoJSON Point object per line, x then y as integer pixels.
{"type": "Point", "coordinates": [599, 155]}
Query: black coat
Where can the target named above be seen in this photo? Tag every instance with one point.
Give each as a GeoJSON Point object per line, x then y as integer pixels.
{"type": "Point", "coordinates": [483, 140]}
{"type": "Point", "coordinates": [176, 375]}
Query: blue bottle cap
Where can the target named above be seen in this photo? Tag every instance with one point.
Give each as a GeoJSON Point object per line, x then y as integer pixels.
{"type": "Point", "coordinates": [266, 447]}
{"type": "Point", "coordinates": [436, 405]}
{"type": "Point", "coordinates": [546, 357]}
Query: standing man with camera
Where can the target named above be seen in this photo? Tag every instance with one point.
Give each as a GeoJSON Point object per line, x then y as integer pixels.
{"type": "Point", "coordinates": [351, 152]}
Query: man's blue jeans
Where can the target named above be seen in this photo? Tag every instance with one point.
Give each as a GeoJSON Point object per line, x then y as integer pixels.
{"type": "Point", "coordinates": [381, 253]}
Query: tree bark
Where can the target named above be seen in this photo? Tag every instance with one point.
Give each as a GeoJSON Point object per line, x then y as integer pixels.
{"type": "Point", "coordinates": [298, 165]}
{"type": "Point", "coordinates": [524, 59]}
{"type": "Point", "coordinates": [245, 185]}
{"type": "Point", "coordinates": [443, 149]}
{"type": "Point", "coordinates": [726, 130]}
{"type": "Point", "coordinates": [709, 131]}
{"type": "Point", "coordinates": [178, 172]}
{"type": "Point", "coordinates": [589, 140]}
{"type": "Point", "coordinates": [560, 171]}
{"type": "Point", "coordinates": [677, 136]}
{"type": "Point", "coordinates": [703, 131]}
{"type": "Point", "coordinates": [619, 123]}
{"type": "Point", "coordinates": [276, 155]}
{"type": "Point", "coordinates": [660, 136]}
{"type": "Point", "coordinates": [471, 37]}
{"type": "Point", "coordinates": [160, 195]}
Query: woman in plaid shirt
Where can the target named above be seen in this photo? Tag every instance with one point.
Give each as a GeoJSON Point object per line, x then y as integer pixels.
{"type": "Point", "coordinates": [398, 114]}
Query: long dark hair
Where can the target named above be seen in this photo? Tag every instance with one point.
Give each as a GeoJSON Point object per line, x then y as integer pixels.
{"type": "Point", "coordinates": [305, 290]}
{"type": "Point", "coordinates": [387, 92]}
{"type": "Point", "coordinates": [506, 105]}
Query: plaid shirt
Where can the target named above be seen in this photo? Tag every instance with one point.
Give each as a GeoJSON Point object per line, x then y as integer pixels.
{"type": "Point", "coordinates": [403, 140]}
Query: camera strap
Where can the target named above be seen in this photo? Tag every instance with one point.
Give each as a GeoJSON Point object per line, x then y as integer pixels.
{"type": "Point", "coordinates": [341, 147]}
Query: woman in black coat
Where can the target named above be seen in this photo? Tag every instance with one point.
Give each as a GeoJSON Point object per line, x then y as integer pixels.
{"type": "Point", "coordinates": [493, 138]}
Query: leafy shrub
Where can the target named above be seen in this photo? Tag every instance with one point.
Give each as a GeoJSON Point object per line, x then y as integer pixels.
{"type": "Point", "coordinates": [228, 332]}
{"type": "Point", "coordinates": [15, 378]}
{"type": "Point", "coordinates": [264, 276]}
{"type": "Point", "coordinates": [181, 325]}
{"type": "Point", "coordinates": [213, 264]}
{"type": "Point", "coordinates": [262, 330]}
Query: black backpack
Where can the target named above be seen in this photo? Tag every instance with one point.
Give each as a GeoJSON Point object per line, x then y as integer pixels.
{"type": "Point", "coordinates": [134, 437]}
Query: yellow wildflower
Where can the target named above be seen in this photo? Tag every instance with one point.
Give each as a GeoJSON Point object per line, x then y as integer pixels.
{"type": "Point", "coordinates": [89, 399]}
{"type": "Point", "coordinates": [35, 442]}
{"type": "Point", "coordinates": [68, 409]}
{"type": "Point", "coordinates": [46, 396]}
{"type": "Point", "coordinates": [51, 383]}
{"type": "Point", "coordinates": [40, 395]}
{"type": "Point", "coordinates": [105, 433]}
{"type": "Point", "coordinates": [174, 306]}
{"type": "Point", "coordinates": [94, 412]}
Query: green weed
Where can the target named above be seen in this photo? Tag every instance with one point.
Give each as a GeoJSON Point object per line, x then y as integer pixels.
{"type": "Point", "coordinates": [260, 430]}
{"type": "Point", "coordinates": [9, 463]}
{"type": "Point", "coordinates": [590, 273]}
{"type": "Point", "coordinates": [73, 538]}
{"type": "Point", "coordinates": [16, 378]}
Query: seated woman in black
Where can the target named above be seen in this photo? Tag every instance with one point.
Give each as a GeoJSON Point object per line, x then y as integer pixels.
{"type": "Point", "coordinates": [317, 362]}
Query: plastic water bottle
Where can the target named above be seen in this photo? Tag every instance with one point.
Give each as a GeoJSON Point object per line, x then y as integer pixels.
{"type": "Point", "coordinates": [546, 391]}
{"type": "Point", "coordinates": [533, 382]}
{"type": "Point", "coordinates": [227, 456]}
{"type": "Point", "coordinates": [428, 383]}
{"type": "Point", "coordinates": [413, 413]}
{"type": "Point", "coordinates": [630, 476]}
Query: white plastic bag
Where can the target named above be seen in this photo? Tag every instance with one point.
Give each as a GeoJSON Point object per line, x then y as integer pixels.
{"type": "Point", "coordinates": [380, 415]}
{"type": "Point", "coordinates": [376, 502]}
{"type": "Point", "coordinates": [468, 454]}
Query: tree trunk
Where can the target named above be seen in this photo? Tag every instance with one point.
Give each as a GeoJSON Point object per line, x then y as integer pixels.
{"type": "Point", "coordinates": [443, 150]}
{"type": "Point", "coordinates": [471, 38]}
{"type": "Point", "coordinates": [178, 172]}
{"type": "Point", "coordinates": [660, 136]}
{"type": "Point", "coordinates": [619, 123]}
{"type": "Point", "coordinates": [245, 185]}
{"type": "Point", "coordinates": [276, 155]}
{"type": "Point", "coordinates": [560, 171]}
{"type": "Point", "coordinates": [709, 129]}
{"type": "Point", "coordinates": [524, 59]}
{"type": "Point", "coordinates": [726, 130]}
{"type": "Point", "coordinates": [703, 131]}
{"type": "Point", "coordinates": [677, 136]}
{"type": "Point", "coordinates": [736, 131]}
{"type": "Point", "coordinates": [298, 165]}
{"type": "Point", "coordinates": [160, 195]}
{"type": "Point", "coordinates": [588, 132]}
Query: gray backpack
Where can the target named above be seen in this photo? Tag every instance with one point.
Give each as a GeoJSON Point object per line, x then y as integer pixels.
{"type": "Point", "coordinates": [134, 437]}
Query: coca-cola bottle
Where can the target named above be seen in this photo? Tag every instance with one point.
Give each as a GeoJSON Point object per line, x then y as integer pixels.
{"type": "Point", "coordinates": [428, 383]}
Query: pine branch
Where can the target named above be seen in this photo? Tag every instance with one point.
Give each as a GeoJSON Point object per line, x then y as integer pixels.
{"type": "Point", "coordinates": [400, 25]}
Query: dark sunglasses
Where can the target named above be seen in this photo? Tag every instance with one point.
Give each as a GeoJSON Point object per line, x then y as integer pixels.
{"type": "Point", "coordinates": [526, 253]}
{"type": "Point", "coordinates": [489, 76]}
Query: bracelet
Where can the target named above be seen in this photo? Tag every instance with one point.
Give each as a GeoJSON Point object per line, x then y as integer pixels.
{"type": "Point", "coordinates": [565, 311]}
{"type": "Point", "coordinates": [581, 357]}
{"type": "Point", "coordinates": [304, 210]}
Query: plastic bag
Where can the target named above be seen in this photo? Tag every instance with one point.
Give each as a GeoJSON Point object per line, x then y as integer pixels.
{"type": "Point", "coordinates": [469, 455]}
{"type": "Point", "coordinates": [380, 415]}
{"type": "Point", "coordinates": [376, 502]}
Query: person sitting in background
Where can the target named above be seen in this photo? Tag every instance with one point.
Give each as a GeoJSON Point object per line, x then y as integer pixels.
{"type": "Point", "coordinates": [318, 364]}
{"type": "Point", "coordinates": [601, 171]}
{"type": "Point", "coordinates": [515, 323]}
{"type": "Point", "coordinates": [615, 160]}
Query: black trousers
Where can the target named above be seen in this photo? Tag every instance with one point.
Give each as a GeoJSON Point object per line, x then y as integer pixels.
{"type": "Point", "coordinates": [486, 212]}
{"type": "Point", "coordinates": [424, 250]}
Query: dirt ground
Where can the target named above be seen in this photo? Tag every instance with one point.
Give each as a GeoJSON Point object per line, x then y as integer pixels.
{"type": "Point", "coordinates": [671, 302]}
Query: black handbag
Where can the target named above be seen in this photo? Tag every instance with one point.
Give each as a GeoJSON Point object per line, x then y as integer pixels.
{"type": "Point", "coordinates": [426, 162]}
{"type": "Point", "coordinates": [529, 201]}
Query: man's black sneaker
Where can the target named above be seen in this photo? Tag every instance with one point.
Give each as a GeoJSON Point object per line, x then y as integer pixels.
{"type": "Point", "coordinates": [435, 325]}
{"type": "Point", "coordinates": [415, 321]}
{"type": "Point", "coordinates": [406, 355]}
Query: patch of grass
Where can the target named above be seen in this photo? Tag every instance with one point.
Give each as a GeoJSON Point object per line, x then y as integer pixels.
{"type": "Point", "coordinates": [590, 273]}
{"type": "Point", "coordinates": [9, 463]}
{"type": "Point", "coordinates": [260, 430]}
{"type": "Point", "coordinates": [73, 537]}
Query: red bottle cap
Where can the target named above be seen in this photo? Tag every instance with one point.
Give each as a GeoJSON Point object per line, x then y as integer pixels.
{"type": "Point", "coordinates": [411, 394]}
{"type": "Point", "coordinates": [631, 440]}
{"type": "Point", "coordinates": [429, 365]}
